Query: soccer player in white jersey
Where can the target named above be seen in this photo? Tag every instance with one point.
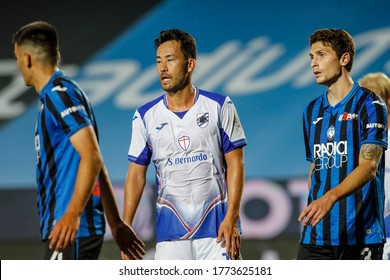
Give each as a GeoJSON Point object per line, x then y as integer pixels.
{"type": "Point", "coordinates": [195, 140]}
{"type": "Point", "coordinates": [379, 83]}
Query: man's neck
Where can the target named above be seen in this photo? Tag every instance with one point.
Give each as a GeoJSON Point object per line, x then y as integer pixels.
{"type": "Point", "coordinates": [340, 89]}
{"type": "Point", "coordinates": [43, 76]}
{"type": "Point", "coordinates": [181, 101]}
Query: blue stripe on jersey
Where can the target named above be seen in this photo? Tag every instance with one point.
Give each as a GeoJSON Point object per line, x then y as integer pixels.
{"type": "Point", "coordinates": [220, 99]}
{"type": "Point", "coordinates": [64, 110]}
{"type": "Point", "coordinates": [333, 137]}
{"type": "Point", "coordinates": [143, 109]}
{"type": "Point", "coordinates": [143, 158]}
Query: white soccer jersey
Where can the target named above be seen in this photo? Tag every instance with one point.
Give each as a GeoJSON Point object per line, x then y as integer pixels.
{"type": "Point", "coordinates": [188, 154]}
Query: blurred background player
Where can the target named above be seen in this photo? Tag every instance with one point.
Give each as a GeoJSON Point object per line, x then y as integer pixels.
{"type": "Point", "coordinates": [195, 140]}
{"type": "Point", "coordinates": [379, 83]}
{"type": "Point", "coordinates": [73, 183]}
{"type": "Point", "coordinates": [345, 133]}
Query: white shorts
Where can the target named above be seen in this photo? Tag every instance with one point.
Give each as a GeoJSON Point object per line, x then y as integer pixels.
{"type": "Point", "coordinates": [191, 249]}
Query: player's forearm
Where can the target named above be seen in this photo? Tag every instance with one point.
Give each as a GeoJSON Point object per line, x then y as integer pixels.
{"type": "Point", "coordinates": [235, 191]}
{"type": "Point", "coordinates": [235, 179]}
{"type": "Point", "coordinates": [309, 177]}
{"type": "Point", "coordinates": [134, 186]}
{"type": "Point", "coordinates": [86, 177]}
{"type": "Point", "coordinates": [108, 198]}
{"type": "Point", "coordinates": [357, 179]}
{"type": "Point", "coordinates": [131, 204]}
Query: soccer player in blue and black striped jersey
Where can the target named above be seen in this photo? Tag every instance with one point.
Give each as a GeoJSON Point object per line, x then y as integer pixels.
{"type": "Point", "coordinates": [73, 183]}
{"type": "Point", "coordinates": [345, 132]}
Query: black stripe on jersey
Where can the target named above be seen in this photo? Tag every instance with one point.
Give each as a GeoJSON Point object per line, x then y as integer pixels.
{"type": "Point", "coordinates": [358, 196]}
{"type": "Point", "coordinates": [328, 183]}
{"type": "Point", "coordinates": [307, 130]}
{"type": "Point", "coordinates": [42, 198]}
{"type": "Point", "coordinates": [54, 111]}
{"type": "Point", "coordinates": [68, 102]}
{"type": "Point", "coordinates": [49, 153]}
{"type": "Point", "coordinates": [318, 130]}
{"type": "Point", "coordinates": [345, 126]}
{"type": "Point", "coordinates": [380, 113]}
{"type": "Point", "coordinates": [317, 139]}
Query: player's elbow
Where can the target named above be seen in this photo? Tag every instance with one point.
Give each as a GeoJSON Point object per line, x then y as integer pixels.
{"type": "Point", "coordinates": [97, 160]}
{"type": "Point", "coordinates": [371, 170]}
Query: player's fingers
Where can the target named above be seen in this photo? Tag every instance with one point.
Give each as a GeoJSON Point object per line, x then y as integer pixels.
{"type": "Point", "coordinates": [53, 243]}
{"type": "Point", "coordinates": [136, 254]}
{"type": "Point", "coordinates": [140, 249]}
{"type": "Point", "coordinates": [62, 242]}
{"type": "Point", "coordinates": [219, 237]}
{"type": "Point", "coordinates": [228, 246]}
{"type": "Point", "coordinates": [133, 254]}
{"type": "Point", "coordinates": [232, 248]}
{"type": "Point", "coordinates": [303, 214]}
{"type": "Point", "coordinates": [54, 236]}
{"type": "Point", "coordinates": [124, 256]}
{"type": "Point", "coordinates": [309, 217]}
{"type": "Point", "coordinates": [317, 218]}
{"type": "Point", "coordinates": [236, 246]}
{"type": "Point", "coordinates": [139, 245]}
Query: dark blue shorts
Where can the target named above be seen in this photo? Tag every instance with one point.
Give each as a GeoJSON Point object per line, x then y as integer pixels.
{"type": "Point", "coordinates": [87, 248]}
{"type": "Point", "coordinates": [359, 252]}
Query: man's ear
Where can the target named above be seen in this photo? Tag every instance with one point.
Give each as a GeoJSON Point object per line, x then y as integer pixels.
{"type": "Point", "coordinates": [191, 65]}
{"type": "Point", "coordinates": [27, 59]}
{"type": "Point", "coordinates": [345, 58]}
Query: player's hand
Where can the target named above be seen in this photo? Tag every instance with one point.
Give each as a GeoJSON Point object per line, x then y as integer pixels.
{"type": "Point", "coordinates": [131, 246]}
{"type": "Point", "coordinates": [64, 232]}
{"type": "Point", "coordinates": [316, 210]}
{"type": "Point", "coordinates": [229, 232]}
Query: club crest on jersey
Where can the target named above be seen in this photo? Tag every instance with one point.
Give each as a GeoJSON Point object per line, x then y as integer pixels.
{"type": "Point", "coordinates": [202, 119]}
{"type": "Point", "coordinates": [184, 142]}
{"type": "Point", "coordinates": [330, 133]}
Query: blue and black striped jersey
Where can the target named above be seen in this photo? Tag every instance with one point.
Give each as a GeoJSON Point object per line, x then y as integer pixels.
{"type": "Point", "coordinates": [333, 138]}
{"type": "Point", "coordinates": [64, 109]}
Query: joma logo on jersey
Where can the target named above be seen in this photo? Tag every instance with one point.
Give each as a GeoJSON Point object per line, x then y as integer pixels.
{"type": "Point", "coordinates": [71, 110]}
{"type": "Point", "coordinates": [330, 155]}
{"type": "Point", "coordinates": [348, 117]}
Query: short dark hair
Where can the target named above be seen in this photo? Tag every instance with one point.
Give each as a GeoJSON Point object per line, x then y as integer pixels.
{"type": "Point", "coordinates": [338, 39]}
{"type": "Point", "coordinates": [42, 35]}
{"type": "Point", "coordinates": [187, 46]}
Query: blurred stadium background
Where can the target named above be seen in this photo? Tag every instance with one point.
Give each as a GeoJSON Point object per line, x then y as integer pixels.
{"type": "Point", "coordinates": [255, 52]}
